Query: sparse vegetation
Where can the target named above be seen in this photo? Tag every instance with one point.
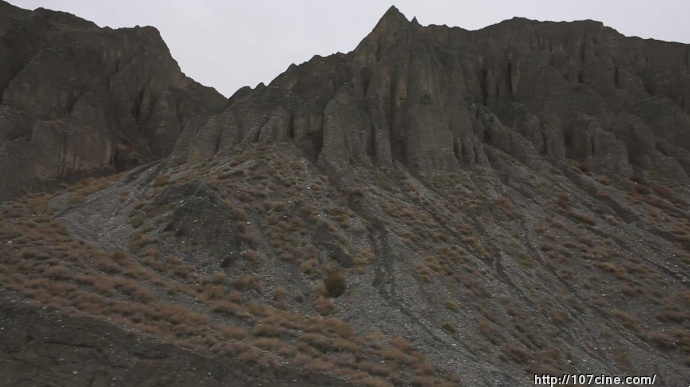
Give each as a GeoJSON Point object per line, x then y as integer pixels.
{"type": "Point", "coordinates": [467, 251]}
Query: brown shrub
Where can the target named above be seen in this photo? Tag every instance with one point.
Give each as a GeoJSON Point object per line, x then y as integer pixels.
{"type": "Point", "coordinates": [346, 345]}
{"type": "Point", "coordinates": [267, 329]}
{"type": "Point", "coordinates": [627, 320]}
{"type": "Point", "coordinates": [641, 189]}
{"type": "Point", "coordinates": [229, 307]}
{"type": "Point", "coordinates": [139, 292]}
{"type": "Point", "coordinates": [249, 282]}
{"type": "Point", "coordinates": [583, 218]}
{"type": "Point", "coordinates": [250, 355]}
{"type": "Point", "coordinates": [212, 292]}
{"type": "Point", "coordinates": [402, 344]}
{"type": "Point", "coordinates": [57, 272]}
{"type": "Point", "coordinates": [321, 365]}
{"type": "Point", "coordinates": [563, 201]}
{"type": "Point", "coordinates": [514, 353]}
{"type": "Point", "coordinates": [424, 273]}
{"type": "Point", "coordinates": [630, 290]}
{"type": "Point", "coordinates": [559, 318]}
{"type": "Point", "coordinates": [652, 201]}
{"type": "Point", "coordinates": [486, 329]}
{"type": "Point", "coordinates": [672, 315]}
{"type": "Point", "coordinates": [603, 193]}
{"type": "Point", "coordinates": [662, 340]}
{"type": "Point", "coordinates": [324, 306]}
{"type": "Point", "coordinates": [602, 179]}
{"type": "Point", "coordinates": [374, 368]}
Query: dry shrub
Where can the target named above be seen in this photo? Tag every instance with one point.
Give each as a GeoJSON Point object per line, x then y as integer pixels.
{"type": "Point", "coordinates": [602, 179]}
{"type": "Point", "coordinates": [424, 273]}
{"type": "Point", "coordinates": [229, 308]}
{"type": "Point", "coordinates": [653, 201]}
{"type": "Point", "coordinates": [142, 294]}
{"type": "Point", "coordinates": [250, 355]}
{"type": "Point", "coordinates": [268, 329]}
{"type": "Point", "coordinates": [318, 341]}
{"type": "Point", "coordinates": [486, 330]}
{"type": "Point", "coordinates": [303, 360]}
{"type": "Point", "coordinates": [57, 272]}
{"type": "Point", "coordinates": [346, 345]}
{"type": "Point", "coordinates": [104, 285]}
{"type": "Point", "coordinates": [672, 315]}
{"type": "Point", "coordinates": [402, 344]}
{"type": "Point", "coordinates": [616, 270]}
{"type": "Point", "coordinates": [563, 201]}
{"type": "Point", "coordinates": [398, 356]}
{"type": "Point", "coordinates": [627, 320]}
{"type": "Point", "coordinates": [374, 368]}
{"type": "Point", "coordinates": [258, 309]}
{"type": "Point", "coordinates": [582, 218]}
{"type": "Point", "coordinates": [268, 343]}
{"type": "Point", "coordinates": [337, 327]}
{"type": "Point", "coordinates": [218, 277]}
{"type": "Point", "coordinates": [603, 192]}
{"type": "Point", "coordinates": [321, 364]}
{"type": "Point", "coordinates": [249, 282]}
{"type": "Point", "coordinates": [212, 292]}
{"type": "Point", "coordinates": [641, 189]}
{"type": "Point", "coordinates": [514, 353]}
{"type": "Point", "coordinates": [559, 318]}
{"type": "Point", "coordinates": [630, 290]}
{"type": "Point", "coordinates": [666, 192]}
{"type": "Point", "coordinates": [425, 369]}
{"type": "Point", "coordinates": [279, 296]}
{"type": "Point", "coordinates": [662, 340]}
{"type": "Point", "coordinates": [237, 297]}
{"type": "Point", "coordinates": [324, 306]}
{"type": "Point", "coordinates": [279, 293]}
{"type": "Point", "coordinates": [232, 331]}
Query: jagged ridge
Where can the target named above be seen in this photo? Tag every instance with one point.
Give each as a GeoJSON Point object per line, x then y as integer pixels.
{"type": "Point", "coordinates": [433, 98]}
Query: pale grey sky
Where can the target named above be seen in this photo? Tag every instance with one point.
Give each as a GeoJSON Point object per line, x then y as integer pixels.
{"type": "Point", "coordinates": [230, 44]}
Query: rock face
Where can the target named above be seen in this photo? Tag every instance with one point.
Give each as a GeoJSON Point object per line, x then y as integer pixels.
{"type": "Point", "coordinates": [433, 98]}
{"type": "Point", "coordinates": [80, 100]}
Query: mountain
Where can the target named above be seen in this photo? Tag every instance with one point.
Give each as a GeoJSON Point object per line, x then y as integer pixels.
{"type": "Point", "coordinates": [78, 100]}
{"type": "Point", "coordinates": [437, 207]}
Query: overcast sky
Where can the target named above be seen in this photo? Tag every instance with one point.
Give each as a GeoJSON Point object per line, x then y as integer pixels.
{"type": "Point", "coordinates": [230, 44]}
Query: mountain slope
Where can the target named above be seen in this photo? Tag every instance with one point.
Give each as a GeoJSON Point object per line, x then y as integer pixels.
{"type": "Point", "coordinates": [437, 207]}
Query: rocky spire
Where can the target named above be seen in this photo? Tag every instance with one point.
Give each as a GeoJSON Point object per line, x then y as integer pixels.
{"type": "Point", "coordinates": [383, 35]}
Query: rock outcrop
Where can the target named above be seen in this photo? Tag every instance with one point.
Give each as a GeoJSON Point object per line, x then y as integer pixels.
{"type": "Point", "coordinates": [82, 100]}
{"type": "Point", "coordinates": [433, 98]}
